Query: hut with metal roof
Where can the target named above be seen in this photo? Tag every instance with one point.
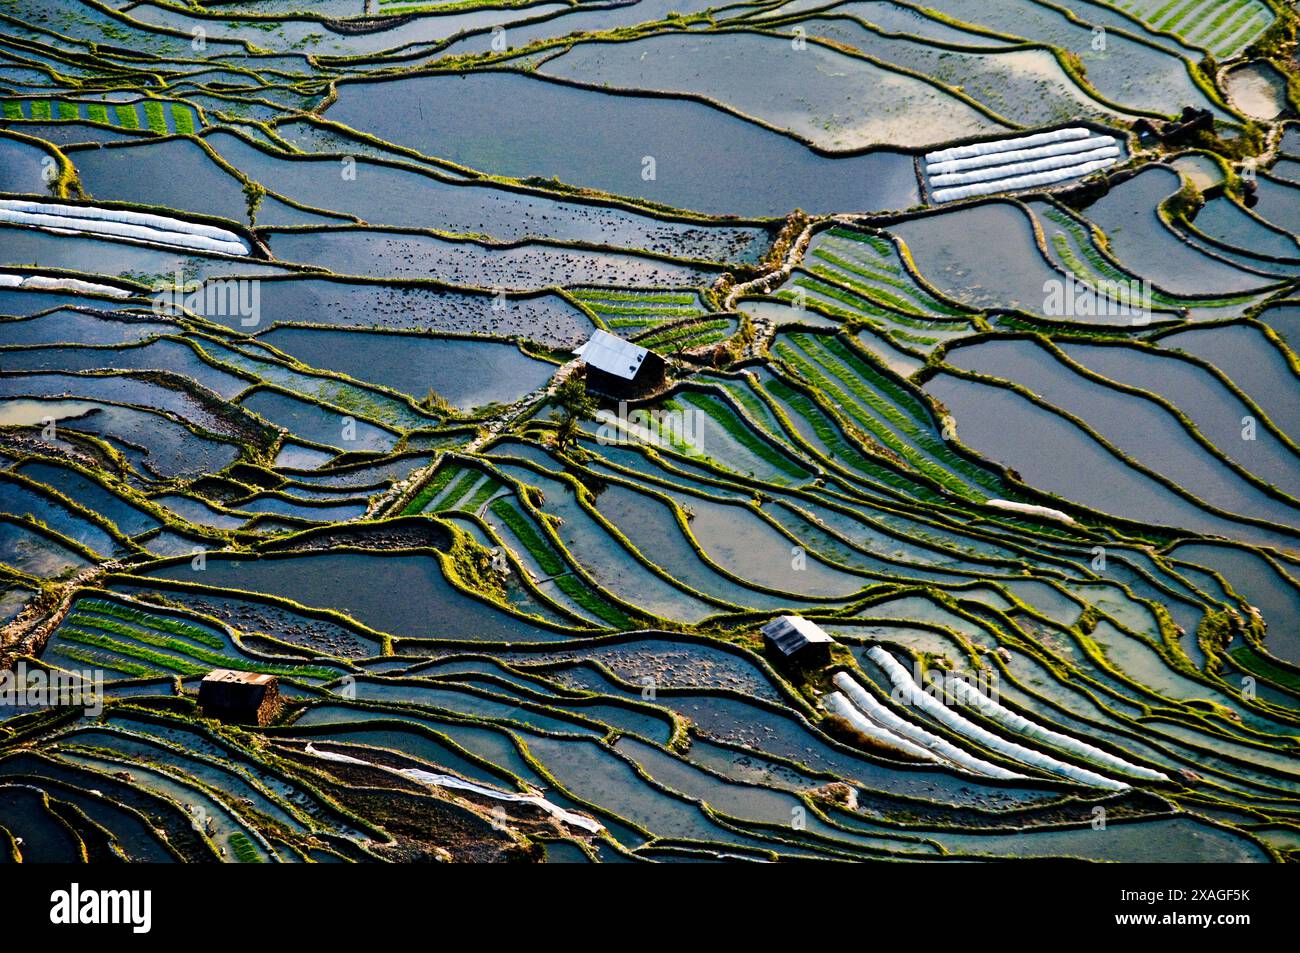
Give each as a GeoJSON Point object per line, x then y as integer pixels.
{"type": "Point", "coordinates": [245, 698]}
{"type": "Point", "coordinates": [620, 369]}
{"type": "Point", "coordinates": [793, 639]}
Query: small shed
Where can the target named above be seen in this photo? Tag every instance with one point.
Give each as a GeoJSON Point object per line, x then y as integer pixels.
{"type": "Point", "coordinates": [794, 639]}
{"type": "Point", "coordinates": [245, 698]}
{"type": "Point", "coordinates": [1146, 130]}
{"type": "Point", "coordinates": [618, 368]}
{"type": "Point", "coordinates": [1189, 122]}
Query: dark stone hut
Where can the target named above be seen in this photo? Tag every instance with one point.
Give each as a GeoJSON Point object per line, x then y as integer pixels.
{"type": "Point", "coordinates": [1189, 122]}
{"type": "Point", "coordinates": [245, 698]}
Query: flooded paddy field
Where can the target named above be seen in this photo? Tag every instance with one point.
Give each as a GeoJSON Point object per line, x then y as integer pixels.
{"type": "Point", "coordinates": [967, 332]}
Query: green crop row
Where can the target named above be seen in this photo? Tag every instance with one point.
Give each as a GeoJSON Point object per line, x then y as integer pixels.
{"type": "Point", "coordinates": [881, 245]}
{"type": "Point", "coordinates": [533, 541]}
{"type": "Point", "coordinates": [183, 119]}
{"type": "Point", "coordinates": [912, 414]}
{"type": "Point", "coordinates": [482, 495]}
{"type": "Point", "coordinates": [917, 295]}
{"type": "Point", "coordinates": [157, 659]}
{"type": "Point", "coordinates": [577, 590]}
{"type": "Point", "coordinates": [874, 270]}
{"type": "Point", "coordinates": [738, 430]}
{"type": "Point", "coordinates": [555, 567]}
{"type": "Point", "coordinates": [749, 400]}
{"type": "Point", "coordinates": [588, 295]}
{"type": "Point", "coordinates": [680, 335]}
{"type": "Point", "coordinates": [878, 430]}
{"type": "Point", "coordinates": [836, 445]}
{"type": "Point", "coordinates": [459, 489]}
{"type": "Point", "coordinates": [855, 302]}
{"type": "Point", "coordinates": [430, 490]}
{"type": "Point", "coordinates": [127, 117]}
{"type": "Point", "coordinates": [93, 660]}
{"type": "Point", "coordinates": [917, 423]}
{"type": "Point", "coordinates": [149, 619]}
{"type": "Point", "coordinates": [649, 312]}
{"type": "Point", "coordinates": [244, 849]}
{"type": "Point", "coordinates": [848, 367]}
{"type": "Point", "coordinates": [916, 301]}
{"type": "Point", "coordinates": [154, 116]}
{"type": "Point", "coordinates": [123, 114]}
{"type": "Point", "coordinates": [1218, 21]}
{"type": "Point", "coordinates": [210, 659]}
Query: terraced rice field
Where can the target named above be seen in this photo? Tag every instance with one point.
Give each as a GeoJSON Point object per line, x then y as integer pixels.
{"type": "Point", "coordinates": [974, 356]}
{"type": "Point", "coordinates": [1219, 28]}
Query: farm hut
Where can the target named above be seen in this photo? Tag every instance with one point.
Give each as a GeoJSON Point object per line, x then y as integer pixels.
{"type": "Point", "coordinates": [620, 369]}
{"type": "Point", "coordinates": [246, 698]}
{"type": "Point", "coordinates": [1189, 122]}
{"type": "Point", "coordinates": [794, 639]}
{"type": "Point", "coordinates": [1146, 130]}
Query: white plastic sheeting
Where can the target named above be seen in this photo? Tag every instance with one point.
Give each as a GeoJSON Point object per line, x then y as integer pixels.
{"type": "Point", "coordinates": [48, 283]}
{"type": "Point", "coordinates": [1007, 165]}
{"type": "Point", "coordinates": [838, 704]}
{"type": "Point", "coordinates": [116, 223]}
{"type": "Point", "coordinates": [1024, 168]}
{"type": "Point", "coordinates": [994, 711]}
{"type": "Point", "coordinates": [1007, 145]}
{"type": "Point", "coordinates": [451, 782]}
{"type": "Point", "coordinates": [1020, 182]}
{"type": "Point", "coordinates": [1031, 509]}
{"type": "Point", "coordinates": [913, 694]}
{"type": "Point", "coordinates": [1019, 155]}
{"type": "Point", "coordinates": [938, 747]}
